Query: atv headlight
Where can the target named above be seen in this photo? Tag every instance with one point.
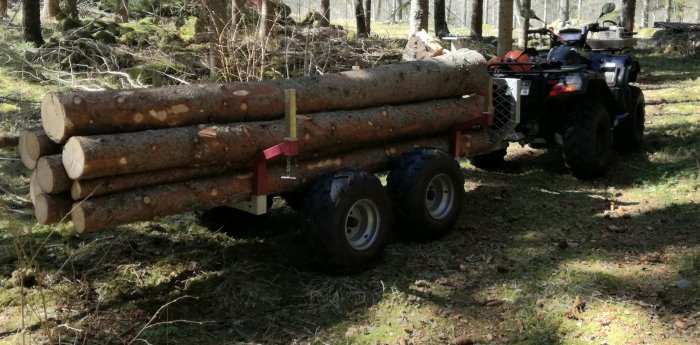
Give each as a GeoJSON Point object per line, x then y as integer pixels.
{"type": "Point", "coordinates": [610, 77]}
{"type": "Point", "coordinates": [570, 83]}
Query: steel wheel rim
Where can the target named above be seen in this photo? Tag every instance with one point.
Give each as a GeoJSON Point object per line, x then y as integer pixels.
{"type": "Point", "coordinates": [440, 196]}
{"type": "Point", "coordinates": [362, 224]}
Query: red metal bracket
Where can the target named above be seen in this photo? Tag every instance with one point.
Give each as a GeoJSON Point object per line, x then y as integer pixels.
{"type": "Point", "coordinates": [456, 132]}
{"type": "Point", "coordinates": [288, 148]}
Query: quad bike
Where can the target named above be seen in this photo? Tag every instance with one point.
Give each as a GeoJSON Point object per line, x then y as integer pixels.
{"type": "Point", "coordinates": [576, 95]}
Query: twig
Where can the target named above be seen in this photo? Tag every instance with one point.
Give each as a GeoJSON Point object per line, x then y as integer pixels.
{"type": "Point", "coordinates": [156, 315]}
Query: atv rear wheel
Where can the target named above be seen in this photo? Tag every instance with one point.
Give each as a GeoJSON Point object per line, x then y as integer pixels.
{"type": "Point", "coordinates": [427, 188]}
{"type": "Point", "coordinates": [346, 221]}
{"type": "Point", "coordinates": [629, 135]}
{"type": "Point", "coordinates": [588, 141]}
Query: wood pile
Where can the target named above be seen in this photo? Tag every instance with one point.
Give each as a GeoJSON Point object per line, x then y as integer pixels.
{"type": "Point", "coordinates": [112, 157]}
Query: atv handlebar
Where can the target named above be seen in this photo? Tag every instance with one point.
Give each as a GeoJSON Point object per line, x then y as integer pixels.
{"type": "Point", "coordinates": [541, 31]}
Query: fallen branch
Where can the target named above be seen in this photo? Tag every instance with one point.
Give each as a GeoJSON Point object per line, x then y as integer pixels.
{"type": "Point", "coordinates": [8, 140]}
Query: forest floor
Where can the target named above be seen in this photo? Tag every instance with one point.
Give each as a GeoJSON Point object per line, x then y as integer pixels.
{"type": "Point", "coordinates": [538, 257]}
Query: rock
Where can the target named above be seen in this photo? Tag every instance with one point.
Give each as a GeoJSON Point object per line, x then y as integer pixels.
{"type": "Point", "coordinates": [680, 324]}
{"type": "Point", "coordinates": [462, 340]}
{"type": "Point", "coordinates": [422, 283]}
{"type": "Point", "coordinates": [683, 284]}
{"type": "Point", "coordinates": [351, 331]}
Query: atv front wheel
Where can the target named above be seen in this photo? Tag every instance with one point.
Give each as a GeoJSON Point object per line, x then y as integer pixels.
{"type": "Point", "coordinates": [629, 135]}
{"type": "Point", "coordinates": [588, 141]}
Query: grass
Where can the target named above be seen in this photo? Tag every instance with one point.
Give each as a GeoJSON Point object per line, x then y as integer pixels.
{"type": "Point", "coordinates": [532, 239]}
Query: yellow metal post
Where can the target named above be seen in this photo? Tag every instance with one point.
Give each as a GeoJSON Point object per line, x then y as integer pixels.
{"type": "Point", "coordinates": [290, 113]}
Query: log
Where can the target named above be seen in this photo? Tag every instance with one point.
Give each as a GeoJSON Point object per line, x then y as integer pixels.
{"type": "Point", "coordinates": [8, 140]}
{"type": "Point", "coordinates": [51, 175]}
{"type": "Point", "coordinates": [33, 144]}
{"type": "Point", "coordinates": [115, 111]}
{"type": "Point", "coordinates": [149, 203]}
{"type": "Point", "coordinates": [421, 46]}
{"type": "Point", "coordinates": [319, 134]}
{"type": "Point", "coordinates": [52, 209]}
{"type": "Point", "coordinates": [82, 189]}
{"type": "Point", "coordinates": [34, 188]}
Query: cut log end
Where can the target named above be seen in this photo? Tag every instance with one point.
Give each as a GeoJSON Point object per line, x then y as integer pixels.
{"type": "Point", "coordinates": [34, 188]}
{"type": "Point", "coordinates": [73, 158]}
{"type": "Point", "coordinates": [24, 151]}
{"type": "Point", "coordinates": [51, 209]}
{"type": "Point", "coordinates": [53, 117]}
{"type": "Point", "coordinates": [78, 217]}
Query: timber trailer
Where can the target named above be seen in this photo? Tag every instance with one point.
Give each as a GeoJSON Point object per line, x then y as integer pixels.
{"type": "Point", "coordinates": [134, 155]}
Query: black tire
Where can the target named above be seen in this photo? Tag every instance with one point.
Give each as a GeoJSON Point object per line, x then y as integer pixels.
{"type": "Point", "coordinates": [588, 141]}
{"type": "Point", "coordinates": [346, 221]}
{"type": "Point", "coordinates": [629, 135]}
{"type": "Point", "coordinates": [427, 189]}
{"type": "Point", "coordinates": [489, 161]}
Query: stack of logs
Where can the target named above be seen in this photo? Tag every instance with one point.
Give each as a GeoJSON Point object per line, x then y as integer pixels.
{"type": "Point", "coordinates": [112, 157]}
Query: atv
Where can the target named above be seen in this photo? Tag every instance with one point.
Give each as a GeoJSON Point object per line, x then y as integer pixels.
{"type": "Point", "coordinates": [575, 95]}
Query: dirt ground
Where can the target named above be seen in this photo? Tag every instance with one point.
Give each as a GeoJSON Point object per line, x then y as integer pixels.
{"type": "Point", "coordinates": [538, 257]}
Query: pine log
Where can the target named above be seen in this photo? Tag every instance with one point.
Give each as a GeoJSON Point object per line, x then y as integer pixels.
{"type": "Point", "coordinates": [33, 144]}
{"type": "Point", "coordinates": [149, 203]}
{"type": "Point", "coordinates": [52, 208]}
{"type": "Point", "coordinates": [34, 188]}
{"type": "Point", "coordinates": [8, 140]}
{"type": "Point", "coordinates": [82, 189]}
{"type": "Point", "coordinates": [51, 175]}
{"type": "Point", "coordinates": [319, 134]}
{"type": "Point", "coordinates": [115, 111]}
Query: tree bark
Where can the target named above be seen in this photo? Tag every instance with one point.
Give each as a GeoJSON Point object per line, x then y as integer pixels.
{"type": "Point", "coordinates": [8, 140]}
{"type": "Point", "coordinates": [319, 134]}
{"type": "Point", "coordinates": [33, 144]}
{"type": "Point", "coordinates": [669, 6]}
{"type": "Point", "coordinates": [441, 29]}
{"type": "Point", "coordinates": [628, 7]}
{"type": "Point", "coordinates": [419, 17]}
{"type": "Point", "coordinates": [86, 113]}
{"type": "Point", "coordinates": [51, 9]}
{"type": "Point", "coordinates": [477, 19]}
{"type": "Point", "coordinates": [216, 16]}
{"type": "Point", "coordinates": [149, 203]}
{"type": "Point", "coordinates": [326, 12]}
{"type": "Point", "coordinates": [3, 8]}
{"type": "Point", "coordinates": [31, 20]}
{"type": "Point", "coordinates": [266, 19]}
{"type": "Point", "coordinates": [52, 176]}
{"type": "Point", "coordinates": [367, 4]}
{"type": "Point", "coordinates": [505, 27]}
{"type": "Point", "coordinates": [360, 19]}
{"type": "Point", "coordinates": [645, 14]}
{"type": "Point", "coordinates": [82, 189]}
{"type": "Point", "coordinates": [565, 11]}
{"type": "Point", "coordinates": [52, 209]}
{"type": "Point", "coordinates": [526, 4]}
{"type": "Point", "coordinates": [122, 11]}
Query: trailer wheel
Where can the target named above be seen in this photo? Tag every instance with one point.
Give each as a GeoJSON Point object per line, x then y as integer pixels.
{"type": "Point", "coordinates": [629, 135]}
{"type": "Point", "coordinates": [346, 221]}
{"type": "Point", "coordinates": [427, 189]}
{"type": "Point", "coordinates": [588, 141]}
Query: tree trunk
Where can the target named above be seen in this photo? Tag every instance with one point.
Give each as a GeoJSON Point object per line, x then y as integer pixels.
{"type": "Point", "coordinates": [51, 9]}
{"type": "Point", "coordinates": [505, 27]}
{"type": "Point", "coordinates": [645, 14]}
{"type": "Point", "coordinates": [565, 11]}
{"type": "Point", "coordinates": [32, 22]}
{"type": "Point", "coordinates": [237, 7]}
{"type": "Point", "coordinates": [441, 29]}
{"type": "Point", "coordinates": [51, 175]}
{"type": "Point", "coordinates": [3, 8]}
{"type": "Point", "coordinates": [216, 17]}
{"type": "Point", "coordinates": [87, 113]}
{"type": "Point", "coordinates": [34, 144]}
{"type": "Point", "coordinates": [319, 134]}
{"type": "Point", "coordinates": [149, 203]}
{"type": "Point", "coordinates": [419, 17]}
{"type": "Point", "coordinates": [72, 8]}
{"type": "Point", "coordinates": [266, 19]}
{"type": "Point", "coordinates": [326, 12]}
{"type": "Point", "coordinates": [378, 13]}
{"type": "Point", "coordinates": [8, 140]}
{"type": "Point", "coordinates": [394, 9]}
{"type": "Point", "coordinates": [122, 11]}
{"type": "Point", "coordinates": [669, 5]}
{"type": "Point", "coordinates": [51, 209]}
{"type": "Point", "coordinates": [367, 4]}
{"type": "Point", "coordinates": [526, 4]}
{"type": "Point", "coordinates": [401, 5]}
{"type": "Point", "coordinates": [477, 19]}
{"type": "Point", "coordinates": [360, 19]}
{"type": "Point", "coordinates": [628, 7]}
{"type": "Point", "coordinates": [545, 18]}
{"type": "Point", "coordinates": [82, 189]}
{"type": "Point", "coordinates": [579, 9]}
